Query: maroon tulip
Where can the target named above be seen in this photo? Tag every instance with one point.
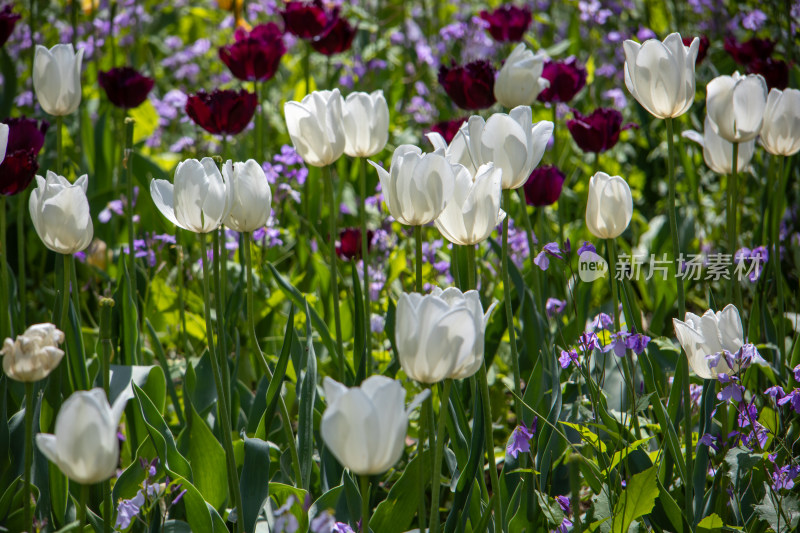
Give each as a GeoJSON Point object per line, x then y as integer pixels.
{"type": "Point", "coordinates": [223, 112]}
{"type": "Point", "coordinates": [599, 131]}
{"type": "Point", "coordinates": [544, 186]}
{"type": "Point", "coordinates": [307, 19]}
{"type": "Point", "coordinates": [349, 244]}
{"type": "Point", "coordinates": [508, 23]}
{"type": "Point", "coordinates": [8, 19]}
{"type": "Point", "coordinates": [254, 56]}
{"type": "Point", "coordinates": [25, 140]}
{"type": "Point", "coordinates": [337, 39]}
{"type": "Point", "coordinates": [702, 50]}
{"type": "Point", "coordinates": [448, 128]}
{"type": "Point", "coordinates": [470, 86]}
{"type": "Point", "coordinates": [775, 72]}
{"type": "Point", "coordinates": [566, 79]}
{"type": "Point", "coordinates": [125, 87]}
{"type": "Point", "coordinates": [748, 51]}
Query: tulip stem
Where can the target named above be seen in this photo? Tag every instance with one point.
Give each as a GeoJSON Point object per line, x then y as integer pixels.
{"type": "Point", "coordinates": [222, 405]}
{"type": "Point", "coordinates": [512, 340]}
{"type": "Point", "coordinates": [487, 421]}
{"type": "Point", "coordinates": [733, 224]}
{"type": "Point", "coordinates": [365, 263]}
{"type": "Point", "coordinates": [181, 306]}
{"type": "Point", "coordinates": [59, 144]}
{"type": "Point", "coordinates": [26, 495]}
{"type": "Point", "coordinates": [777, 209]}
{"type": "Point", "coordinates": [22, 208]}
{"type": "Point", "coordinates": [5, 299]}
{"type": "Point", "coordinates": [63, 319]}
{"type": "Point", "coordinates": [83, 498]}
{"type": "Point", "coordinates": [418, 256]}
{"type": "Point", "coordinates": [219, 304]}
{"type": "Point", "coordinates": [333, 211]}
{"type": "Point", "coordinates": [436, 480]}
{"type": "Point", "coordinates": [106, 305]}
{"type": "Point", "coordinates": [364, 482]}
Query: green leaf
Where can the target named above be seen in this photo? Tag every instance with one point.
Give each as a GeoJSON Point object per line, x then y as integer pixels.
{"type": "Point", "coordinates": [207, 459]}
{"type": "Point", "coordinates": [396, 512]}
{"type": "Point", "coordinates": [591, 438]}
{"type": "Point", "coordinates": [76, 352]}
{"type": "Point", "coordinates": [255, 472]}
{"type": "Point", "coordinates": [274, 389]}
{"type": "Point", "coordinates": [637, 500]}
{"type": "Point", "coordinates": [146, 119]}
{"type": "Point", "coordinates": [781, 513]}
{"type": "Point", "coordinates": [308, 395]}
{"type": "Point", "coordinates": [281, 492]}
{"type": "Point", "coordinates": [359, 344]}
{"type": "Point", "coordinates": [710, 524]}
{"type": "Point", "coordinates": [162, 360]}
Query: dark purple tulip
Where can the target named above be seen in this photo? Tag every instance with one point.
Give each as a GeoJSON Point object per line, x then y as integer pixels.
{"type": "Point", "coordinates": [748, 51]}
{"type": "Point", "coordinates": [597, 132]}
{"type": "Point", "coordinates": [508, 23]}
{"type": "Point", "coordinates": [307, 19]}
{"type": "Point", "coordinates": [775, 72]}
{"type": "Point", "coordinates": [25, 140]}
{"type": "Point", "coordinates": [349, 244]}
{"type": "Point", "coordinates": [448, 128]}
{"type": "Point", "coordinates": [125, 87]}
{"type": "Point", "coordinates": [8, 19]}
{"type": "Point", "coordinates": [566, 79]}
{"type": "Point", "coordinates": [222, 112]}
{"type": "Point", "coordinates": [254, 56]}
{"type": "Point", "coordinates": [544, 186]}
{"type": "Point", "coordinates": [470, 86]}
{"type": "Point", "coordinates": [702, 50]}
{"type": "Point", "coordinates": [337, 38]}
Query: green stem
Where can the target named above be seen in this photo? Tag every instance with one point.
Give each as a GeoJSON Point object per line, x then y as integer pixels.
{"type": "Point", "coordinates": [673, 222]}
{"type": "Point", "coordinates": [364, 482]}
{"type": "Point", "coordinates": [5, 299]}
{"type": "Point", "coordinates": [27, 494]}
{"type": "Point", "coordinates": [436, 480]}
{"type": "Point", "coordinates": [64, 318]}
{"type": "Point", "coordinates": [487, 420]}
{"type": "Point", "coordinates": [365, 263]}
{"type": "Point", "coordinates": [333, 211]}
{"type": "Point", "coordinates": [219, 305]}
{"type": "Point", "coordinates": [418, 256]}
{"type": "Point", "coordinates": [732, 240]}
{"type": "Point", "coordinates": [181, 307]}
{"type": "Point", "coordinates": [422, 478]}
{"type": "Point", "coordinates": [776, 261]}
{"type": "Point", "coordinates": [59, 144]}
{"type": "Point", "coordinates": [84, 498]}
{"type": "Point", "coordinates": [307, 67]}
{"type": "Point", "coordinates": [127, 165]}
{"type": "Point", "coordinates": [507, 300]}
{"type": "Point", "coordinates": [106, 306]}
{"type": "Point", "coordinates": [22, 278]}
{"type": "Point", "coordinates": [471, 267]}
{"type": "Point", "coordinates": [222, 406]}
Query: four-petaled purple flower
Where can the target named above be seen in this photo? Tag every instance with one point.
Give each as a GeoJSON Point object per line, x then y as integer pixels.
{"type": "Point", "coordinates": [568, 357]}
{"type": "Point", "coordinates": [554, 306]}
{"type": "Point", "coordinates": [520, 440]}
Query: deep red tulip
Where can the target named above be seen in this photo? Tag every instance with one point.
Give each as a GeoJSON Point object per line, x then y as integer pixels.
{"type": "Point", "coordinates": [508, 23]}
{"type": "Point", "coordinates": [307, 19]}
{"type": "Point", "coordinates": [223, 112]}
{"type": "Point", "coordinates": [544, 186]}
{"type": "Point", "coordinates": [702, 50]}
{"type": "Point", "coordinates": [775, 72]}
{"type": "Point", "coordinates": [125, 87]}
{"type": "Point", "coordinates": [448, 128]}
{"type": "Point", "coordinates": [599, 131]}
{"type": "Point", "coordinates": [25, 140]}
{"type": "Point", "coordinates": [8, 19]}
{"type": "Point", "coordinates": [566, 79]}
{"type": "Point", "coordinates": [748, 51]}
{"type": "Point", "coordinates": [470, 86]}
{"type": "Point", "coordinates": [336, 39]}
{"type": "Point", "coordinates": [254, 56]}
{"type": "Point", "coordinates": [349, 244]}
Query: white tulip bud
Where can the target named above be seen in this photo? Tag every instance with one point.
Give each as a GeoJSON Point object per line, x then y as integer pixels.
{"type": "Point", "coordinates": [717, 152]}
{"type": "Point", "coordinates": [520, 80]}
{"type": "Point", "coordinates": [250, 195]}
{"type": "Point", "coordinates": [710, 334]}
{"type": "Point", "coordinates": [366, 123]}
{"type": "Point", "coordinates": [34, 354]}
{"type": "Point", "coordinates": [474, 211]}
{"type": "Point", "coordinates": [316, 127]}
{"type": "Point", "coordinates": [60, 213]}
{"type": "Point", "coordinates": [57, 78]}
{"type": "Point", "coordinates": [780, 132]}
{"type": "Point", "coordinates": [735, 106]}
{"type": "Point", "coordinates": [610, 206]}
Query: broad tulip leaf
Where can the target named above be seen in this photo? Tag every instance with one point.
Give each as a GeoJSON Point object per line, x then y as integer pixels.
{"type": "Point", "coordinates": [637, 499]}
{"type": "Point", "coordinates": [308, 395]}
{"type": "Point", "coordinates": [207, 458]}
{"type": "Point", "coordinates": [162, 436]}
{"type": "Point", "coordinates": [274, 389]}
{"type": "Point", "coordinates": [254, 483]}
{"type": "Point", "coordinates": [396, 512]}
{"type": "Point", "coordinates": [162, 360]}
{"type": "Point", "coordinates": [359, 344]}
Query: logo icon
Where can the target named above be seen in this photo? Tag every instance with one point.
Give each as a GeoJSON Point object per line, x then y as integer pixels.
{"type": "Point", "coordinates": [591, 266]}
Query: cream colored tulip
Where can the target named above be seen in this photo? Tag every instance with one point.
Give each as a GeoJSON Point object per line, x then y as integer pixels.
{"type": "Point", "coordinates": [609, 208]}
{"type": "Point", "coordinates": [60, 213]}
{"type": "Point", "coordinates": [316, 127]}
{"type": "Point", "coordinates": [57, 78]}
{"type": "Point", "coordinates": [34, 354]}
{"type": "Point", "coordinates": [780, 132]}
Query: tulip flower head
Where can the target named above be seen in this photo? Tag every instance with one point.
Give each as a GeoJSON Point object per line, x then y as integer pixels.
{"type": "Point", "coordinates": [201, 199]}
{"type": "Point", "coordinates": [349, 244]}
{"type": "Point", "coordinates": [85, 445]}
{"type": "Point", "coordinates": [520, 80]}
{"type": "Point", "coordinates": [702, 49]}
{"type": "Point", "coordinates": [57, 78]}
{"type": "Point", "coordinates": [125, 87]}
{"type": "Point", "coordinates": [474, 210]}
{"type": "Point", "coordinates": [8, 19]}
{"type": "Point", "coordinates": [457, 152]}
{"type": "Point", "coordinates": [418, 186]}
{"type": "Point", "coordinates": [774, 71]}
{"type": "Point", "coordinates": [566, 79]}
{"type": "Point", "coordinates": [660, 75]}
{"type": "Point", "coordinates": [316, 127]}
{"type": "Point", "coordinates": [25, 138]}
{"type": "Point", "coordinates": [702, 337]}
{"type": "Point", "coordinates": [336, 39]}
{"type": "Point", "coordinates": [250, 195]}
{"type": "Point", "coordinates": [60, 213]}
{"type": "Point", "coordinates": [307, 19]}
{"type": "Point", "coordinates": [365, 427]}
{"type": "Point", "coordinates": [440, 335]}
{"type": "Point", "coordinates": [610, 206]}
{"type": "Point", "coordinates": [34, 354]}
{"type": "Point", "coordinates": [366, 123]}
{"type": "Point", "coordinates": [717, 152]}
{"type": "Point", "coordinates": [544, 186]}
{"type": "Point", "coordinates": [508, 23]}
{"type": "Point", "coordinates": [222, 112]}
{"type": "Point", "coordinates": [254, 55]}
{"type": "Point", "coordinates": [780, 132]}
{"type": "Point", "coordinates": [746, 52]}
{"type": "Point", "coordinates": [599, 131]}
{"type": "Point", "coordinates": [735, 106]}
{"type": "Point", "coordinates": [470, 86]}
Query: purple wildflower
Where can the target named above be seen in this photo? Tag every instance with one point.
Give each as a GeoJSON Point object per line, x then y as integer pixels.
{"type": "Point", "coordinates": [637, 343]}
{"type": "Point", "coordinates": [520, 440]}
{"type": "Point", "coordinates": [568, 357]}
{"type": "Point", "coordinates": [554, 306]}
{"type": "Point", "coordinates": [587, 247]}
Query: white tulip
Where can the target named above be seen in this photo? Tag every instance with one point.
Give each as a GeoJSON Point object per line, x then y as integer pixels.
{"type": "Point", "coordinates": [780, 132]}
{"type": "Point", "coordinates": [735, 105]}
{"type": "Point", "coordinates": [520, 80]}
{"type": "Point", "coordinates": [474, 211]}
{"type": "Point", "coordinates": [57, 78]}
{"type": "Point", "coordinates": [609, 208]}
{"type": "Point", "coordinates": [710, 334]}
{"type": "Point", "coordinates": [365, 427]}
{"type": "Point", "coordinates": [457, 152]}
{"type": "Point", "coordinates": [717, 152]}
{"type": "Point", "coordinates": [3, 141]}
{"type": "Point", "coordinates": [512, 142]}
{"type": "Point", "coordinates": [200, 200]}
{"type": "Point", "coordinates": [660, 75]}
{"type": "Point", "coordinates": [60, 213]}
{"type": "Point", "coordinates": [366, 123]}
{"type": "Point", "coordinates": [34, 354]}
{"type": "Point", "coordinates": [85, 446]}
{"type": "Point", "coordinates": [440, 335]}
{"type": "Point", "coordinates": [418, 186]}
{"type": "Point", "coordinates": [316, 127]}
{"type": "Point", "coordinates": [250, 195]}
